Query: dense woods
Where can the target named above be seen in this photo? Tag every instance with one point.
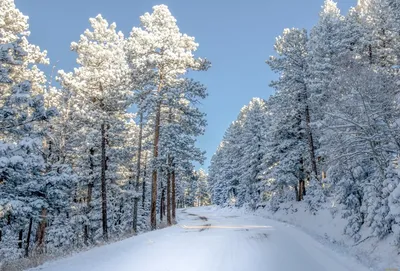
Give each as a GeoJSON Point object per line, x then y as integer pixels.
{"type": "Point", "coordinates": [105, 152]}
{"type": "Point", "coordinates": [330, 133]}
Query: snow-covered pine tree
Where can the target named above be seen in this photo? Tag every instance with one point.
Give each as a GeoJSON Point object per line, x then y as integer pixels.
{"type": "Point", "coordinates": [203, 191]}
{"type": "Point", "coordinates": [293, 99]}
{"type": "Point", "coordinates": [14, 27]}
{"type": "Point", "coordinates": [252, 141]}
{"type": "Point", "coordinates": [24, 190]}
{"type": "Point", "coordinates": [101, 83]}
{"type": "Point", "coordinates": [159, 50]}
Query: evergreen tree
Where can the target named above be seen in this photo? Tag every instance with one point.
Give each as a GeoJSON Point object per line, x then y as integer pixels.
{"type": "Point", "coordinates": [163, 54]}
{"type": "Point", "coordinates": [101, 84]}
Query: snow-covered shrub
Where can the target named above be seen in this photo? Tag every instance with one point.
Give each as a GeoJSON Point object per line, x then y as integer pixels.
{"type": "Point", "coordinates": [315, 196]}
{"type": "Point", "coordinates": [394, 205]}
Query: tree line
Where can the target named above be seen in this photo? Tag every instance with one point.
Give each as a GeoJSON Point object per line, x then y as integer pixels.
{"type": "Point", "coordinates": [106, 153]}
{"type": "Point", "coordinates": [331, 129]}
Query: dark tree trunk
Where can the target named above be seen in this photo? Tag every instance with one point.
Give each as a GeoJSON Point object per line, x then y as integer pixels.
{"type": "Point", "coordinates": [169, 198]}
{"type": "Point", "coordinates": [301, 180]}
{"type": "Point", "coordinates": [137, 184]}
{"type": "Point", "coordinates": [103, 182]}
{"type": "Point", "coordinates": [20, 238]}
{"type": "Point", "coordinates": [88, 206]}
{"type": "Point", "coordinates": [42, 230]}
{"type": "Point", "coordinates": [144, 181]}
{"type": "Point", "coordinates": [370, 53]}
{"type": "Point", "coordinates": [86, 235]}
{"type": "Point", "coordinates": [303, 189]}
{"type": "Point", "coordinates": [169, 162]}
{"type": "Point", "coordinates": [89, 196]}
{"type": "Point", "coordinates": [162, 202]}
{"type": "Point", "coordinates": [153, 218]}
{"type": "Point", "coordinates": [173, 200]}
{"type": "Point", "coordinates": [311, 143]}
{"type": "Point", "coordinates": [28, 238]}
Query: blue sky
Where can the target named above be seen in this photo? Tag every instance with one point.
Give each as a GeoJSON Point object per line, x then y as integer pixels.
{"type": "Point", "coordinates": [236, 35]}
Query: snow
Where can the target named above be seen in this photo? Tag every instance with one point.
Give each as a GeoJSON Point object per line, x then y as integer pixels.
{"type": "Point", "coordinates": [327, 226]}
{"type": "Point", "coordinates": [209, 238]}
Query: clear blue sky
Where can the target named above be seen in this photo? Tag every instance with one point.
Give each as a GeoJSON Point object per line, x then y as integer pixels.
{"type": "Point", "coordinates": [236, 35]}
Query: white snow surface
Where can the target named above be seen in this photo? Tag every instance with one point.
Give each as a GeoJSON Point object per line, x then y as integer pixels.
{"type": "Point", "coordinates": [327, 226]}
{"type": "Point", "coordinates": [208, 239]}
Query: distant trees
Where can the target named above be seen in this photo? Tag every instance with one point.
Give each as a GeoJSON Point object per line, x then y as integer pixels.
{"type": "Point", "coordinates": [331, 128]}
{"type": "Point", "coordinates": [75, 160]}
{"type": "Point", "coordinates": [236, 166]}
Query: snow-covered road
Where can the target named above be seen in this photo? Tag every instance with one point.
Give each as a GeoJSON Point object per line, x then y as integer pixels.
{"type": "Point", "coordinates": [207, 239]}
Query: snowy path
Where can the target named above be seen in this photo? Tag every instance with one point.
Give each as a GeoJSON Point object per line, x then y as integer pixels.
{"type": "Point", "coordinates": [209, 240]}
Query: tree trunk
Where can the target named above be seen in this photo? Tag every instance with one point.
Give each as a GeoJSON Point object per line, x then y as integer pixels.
{"type": "Point", "coordinates": [169, 162]}
{"type": "Point", "coordinates": [89, 196]}
{"type": "Point", "coordinates": [42, 229]}
{"type": "Point", "coordinates": [89, 200]}
{"type": "Point", "coordinates": [370, 54]}
{"type": "Point", "coordinates": [137, 185]}
{"type": "Point", "coordinates": [28, 238]}
{"type": "Point", "coordinates": [169, 198]}
{"type": "Point", "coordinates": [103, 182]}
{"type": "Point", "coordinates": [162, 202]}
{"type": "Point", "coordinates": [20, 238]}
{"type": "Point", "coordinates": [311, 144]}
{"type": "Point", "coordinates": [303, 189]}
{"type": "Point", "coordinates": [173, 203]}
{"type": "Point", "coordinates": [144, 181]}
{"type": "Point", "coordinates": [153, 218]}
{"type": "Point", "coordinates": [301, 180]}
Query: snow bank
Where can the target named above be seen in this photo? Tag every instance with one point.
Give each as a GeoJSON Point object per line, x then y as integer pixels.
{"type": "Point", "coordinates": [327, 227]}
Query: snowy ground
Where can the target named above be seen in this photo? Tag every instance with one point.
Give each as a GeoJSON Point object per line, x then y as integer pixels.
{"type": "Point", "coordinates": [208, 239]}
{"type": "Point", "coordinates": [328, 229]}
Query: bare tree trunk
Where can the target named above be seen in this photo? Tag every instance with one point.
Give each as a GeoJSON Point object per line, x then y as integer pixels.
{"type": "Point", "coordinates": [303, 189]}
{"type": "Point", "coordinates": [169, 162]}
{"type": "Point", "coordinates": [103, 182]}
{"type": "Point", "coordinates": [153, 218]}
{"type": "Point", "coordinates": [311, 144]}
{"type": "Point", "coordinates": [164, 209]}
{"type": "Point", "coordinates": [137, 185]}
{"type": "Point", "coordinates": [301, 180]}
{"type": "Point", "coordinates": [169, 221]}
{"type": "Point", "coordinates": [89, 200]}
{"type": "Point", "coordinates": [28, 238]}
{"type": "Point", "coordinates": [162, 202]}
{"type": "Point", "coordinates": [89, 196]}
{"type": "Point", "coordinates": [42, 229]}
{"type": "Point", "coordinates": [370, 54]}
{"type": "Point", "coordinates": [173, 195]}
{"type": "Point", "coordinates": [144, 181]}
{"type": "Point", "coordinates": [20, 238]}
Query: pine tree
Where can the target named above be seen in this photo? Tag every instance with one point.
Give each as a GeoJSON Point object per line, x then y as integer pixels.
{"type": "Point", "coordinates": [163, 54]}
{"type": "Point", "coordinates": [252, 142]}
{"type": "Point", "coordinates": [24, 189]}
{"type": "Point", "coordinates": [101, 84]}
